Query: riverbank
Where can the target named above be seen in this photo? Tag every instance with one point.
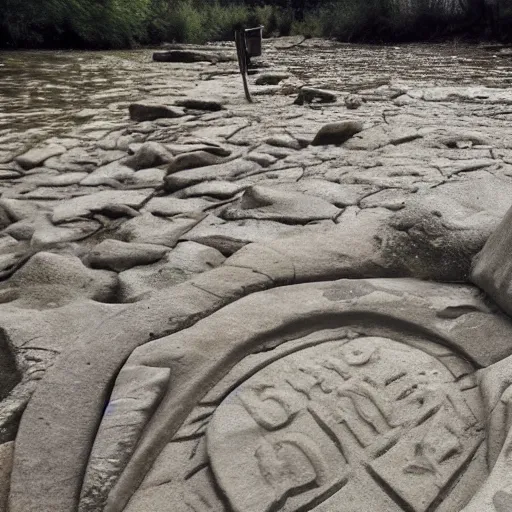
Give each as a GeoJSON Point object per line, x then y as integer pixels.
{"type": "Point", "coordinates": [117, 230]}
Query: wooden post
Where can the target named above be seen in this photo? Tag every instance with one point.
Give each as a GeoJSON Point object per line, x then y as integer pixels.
{"type": "Point", "coordinates": [242, 60]}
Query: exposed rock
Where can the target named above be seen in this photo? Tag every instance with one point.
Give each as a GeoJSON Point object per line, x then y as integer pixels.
{"type": "Point", "coordinates": [271, 78]}
{"type": "Point", "coordinates": [178, 149]}
{"type": "Point", "coordinates": [185, 260]}
{"type": "Point", "coordinates": [37, 156]}
{"type": "Point", "coordinates": [146, 112]}
{"type": "Point", "coordinates": [194, 160]}
{"type": "Point", "coordinates": [310, 95]}
{"type": "Point", "coordinates": [149, 229]}
{"type": "Point", "coordinates": [353, 101]}
{"type": "Point", "coordinates": [263, 203]}
{"type": "Point", "coordinates": [337, 133]}
{"type": "Point", "coordinates": [189, 56]}
{"type": "Point", "coordinates": [108, 174]}
{"type": "Point", "coordinates": [218, 189]}
{"type": "Point", "coordinates": [150, 154]}
{"type": "Point", "coordinates": [229, 237]}
{"type": "Point", "coordinates": [169, 206]}
{"type": "Point", "coordinates": [284, 141]}
{"type": "Point", "coordinates": [231, 170]}
{"type": "Point", "coordinates": [119, 256]}
{"type": "Point", "coordinates": [83, 206]}
{"type": "Point", "coordinates": [200, 104]}
{"type": "Point", "coordinates": [56, 279]}
{"type": "Point", "coordinates": [6, 460]}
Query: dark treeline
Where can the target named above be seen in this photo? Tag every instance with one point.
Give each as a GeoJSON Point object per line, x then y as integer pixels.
{"type": "Point", "coordinates": [127, 23]}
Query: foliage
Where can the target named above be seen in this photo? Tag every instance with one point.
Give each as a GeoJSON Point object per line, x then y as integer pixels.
{"type": "Point", "coordinates": [125, 23]}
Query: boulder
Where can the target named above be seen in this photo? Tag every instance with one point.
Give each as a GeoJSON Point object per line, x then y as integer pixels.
{"type": "Point", "coordinates": [119, 256]}
{"type": "Point", "coordinates": [337, 133]}
{"type": "Point", "coordinates": [146, 112]}
{"type": "Point", "coordinates": [37, 156]}
{"type": "Point", "coordinates": [271, 78]}
{"type": "Point", "coordinates": [150, 154]}
{"type": "Point", "coordinates": [200, 104]}
{"type": "Point", "coordinates": [190, 56]}
{"type": "Point", "coordinates": [194, 160]}
{"type": "Point", "coordinates": [310, 95]}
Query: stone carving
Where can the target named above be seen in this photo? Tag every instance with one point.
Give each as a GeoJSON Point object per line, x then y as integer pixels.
{"type": "Point", "coordinates": [385, 413]}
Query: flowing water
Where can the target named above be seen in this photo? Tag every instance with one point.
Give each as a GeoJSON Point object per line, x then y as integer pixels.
{"type": "Point", "coordinates": [44, 93]}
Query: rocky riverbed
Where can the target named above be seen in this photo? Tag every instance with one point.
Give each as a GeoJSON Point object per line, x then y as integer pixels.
{"type": "Point", "coordinates": [118, 230]}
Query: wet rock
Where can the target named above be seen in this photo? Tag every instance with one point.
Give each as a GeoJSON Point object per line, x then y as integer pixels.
{"type": "Point", "coordinates": [337, 133]}
{"type": "Point", "coordinates": [310, 95]}
{"type": "Point", "coordinates": [264, 203]}
{"type": "Point", "coordinates": [83, 206]}
{"type": "Point", "coordinates": [37, 156]}
{"type": "Point", "coordinates": [271, 78]}
{"type": "Point", "coordinates": [119, 256]}
{"type": "Point", "coordinates": [58, 279]}
{"type": "Point", "coordinates": [184, 261]}
{"type": "Point", "coordinates": [148, 228]}
{"type": "Point", "coordinates": [353, 101]}
{"type": "Point", "coordinates": [6, 461]}
{"type": "Point", "coordinates": [150, 154]}
{"type": "Point", "coordinates": [189, 56]}
{"type": "Point", "coordinates": [146, 112]}
{"type": "Point", "coordinates": [200, 104]}
{"type": "Point", "coordinates": [194, 160]}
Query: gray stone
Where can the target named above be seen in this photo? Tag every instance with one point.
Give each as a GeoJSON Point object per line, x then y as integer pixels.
{"type": "Point", "coordinates": [184, 261]}
{"type": "Point", "coordinates": [168, 206]}
{"type": "Point", "coordinates": [337, 133]}
{"type": "Point", "coordinates": [189, 56]}
{"type": "Point", "coordinates": [37, 156]}
{"type": "Point", "coordinates": [194, 160]}
{"type": "Point", "coordinates": [149, 229]}
{"type": "Point", "coordinates": [271, 78]}
{"type": "Point", "coordinates": [311, 94]}
{"type": "Point", "coordinates": [353, 101]}
{"type": "Point", "coordinates": [265, 203]}
{"type": "Point", "coordinates": [150, 154]}
{"type": "Point", "coordinates": [6, 459]}
{"type": "Point", "coordinates": [108, 174]}
{"type": "Point", "coordinates": [147, 112]}
{"type": "Point", "coordinates": [200, 104]}
{"type": "Point", "coordinates": [83, 206]}
{"type": "Point", "coordinates": [119, 256]}
{"type": "Point", "coordinates": [58, 279]}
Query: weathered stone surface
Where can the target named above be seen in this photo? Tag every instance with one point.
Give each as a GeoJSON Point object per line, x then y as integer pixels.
{"type": "Point", "coordinates": [263, 203]}
{"type": "Point", "coordinates": [311, 94]}
{"type": "Point", "coordinates": [84, 205]}
{"type": "Point", "coordinates": [150, 229]}
{"type": "Point", "coordinates": [118, 256]}
{"type": "Point", "coordinates": [150, 154]}
{"type": "Point", "coordinates": [168, 206]}
{"type": "Point", "coordinates": [193, 160]}
{"type": "Point", "coordinates": [189, 56]}
{"type": "Point", "coordinates": [297, 397]}
{"type": "Point", "coordinates": [271, 78]}
{"type": "Point", "coordinates": [57, 279]}
{"type": "Point", "coordinates": [6, 458]}
{"type": "Point", "coordinates": [185, 260]}
{"type": "Point", "coordinates": [37, 156]}
{"type": "Point", "coordinates": [200, 104]}
{"type": "Point", "coordinates": [147, 112]}
{"type": "Point", "coordinates": [492, 267]}
{"type": "Point", "coordinates": [337, 133]}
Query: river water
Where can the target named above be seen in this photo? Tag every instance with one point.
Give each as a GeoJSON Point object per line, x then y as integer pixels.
{"type": "Point", "coordinates": [45, 93]}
